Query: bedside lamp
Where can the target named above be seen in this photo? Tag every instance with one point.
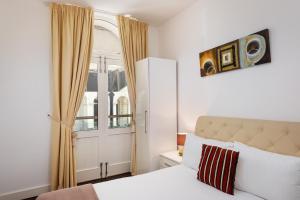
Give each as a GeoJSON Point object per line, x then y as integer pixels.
{"type": "Point", "coordinates": [180, 142]}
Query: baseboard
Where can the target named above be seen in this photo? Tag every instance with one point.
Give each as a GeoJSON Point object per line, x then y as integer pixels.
{"type": "Point", "coordinates": [88, 174]}
{"type": "Point", "coordinates": [119, 168]}
{"type": "Point", "coordinates": [25, 193]}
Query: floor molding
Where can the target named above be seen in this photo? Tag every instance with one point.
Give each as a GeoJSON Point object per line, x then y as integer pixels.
{"type": "Point", "coordinates": [25, 193]}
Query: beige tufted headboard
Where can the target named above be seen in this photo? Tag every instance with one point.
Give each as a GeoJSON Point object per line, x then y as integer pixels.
{"type": "Point", "coordinates": [274, 136]}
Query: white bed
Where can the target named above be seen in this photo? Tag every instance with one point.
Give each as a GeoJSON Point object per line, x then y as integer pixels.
{"type": "Point", "coordinates": [180, 182]}
{"type": "Point", "coordinates": [176, 183]}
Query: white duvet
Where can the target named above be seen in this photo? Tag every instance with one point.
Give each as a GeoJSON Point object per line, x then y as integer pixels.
{"type": "Point", "coordinates": [173, 183]}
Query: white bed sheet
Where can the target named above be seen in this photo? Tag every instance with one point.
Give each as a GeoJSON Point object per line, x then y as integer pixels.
{"type": "Point", "coordinates": [173, 183]}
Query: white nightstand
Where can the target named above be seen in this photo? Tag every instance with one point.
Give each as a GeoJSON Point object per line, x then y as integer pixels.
{"type": "Point", "coordinates": [170, 159]}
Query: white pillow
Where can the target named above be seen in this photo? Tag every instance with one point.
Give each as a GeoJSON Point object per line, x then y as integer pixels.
{"type": "Point", "coordinates": [267, 175]}
{"type": "Point", "coordinates": [193, 149]}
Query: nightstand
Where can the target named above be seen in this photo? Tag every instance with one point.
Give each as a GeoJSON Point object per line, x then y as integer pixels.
{"type": "Point", "coordinates": [169, 159]}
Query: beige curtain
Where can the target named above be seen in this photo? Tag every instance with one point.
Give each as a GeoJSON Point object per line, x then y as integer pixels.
{"type": "Point", "coordinates": [72, 39]}
{"type": "Point", "coordinates": [134, 39]}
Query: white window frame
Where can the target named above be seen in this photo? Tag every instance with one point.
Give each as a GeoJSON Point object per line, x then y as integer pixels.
{"type": "Point", "coordinates": [108, 22]}
{"type": "Point", "coordinates": [103, 111]}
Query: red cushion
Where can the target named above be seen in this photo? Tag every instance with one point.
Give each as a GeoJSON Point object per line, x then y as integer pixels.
{"type": "Point", "coordinates": [217, 167]}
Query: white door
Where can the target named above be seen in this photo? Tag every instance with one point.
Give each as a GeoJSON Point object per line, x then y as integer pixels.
{"type": "Point", "coordinates": [142, 115]}
{"type": "Point", "coordinates": [104, 136]}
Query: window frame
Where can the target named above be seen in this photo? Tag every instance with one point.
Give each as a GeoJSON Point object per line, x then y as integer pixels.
{"type": "Point", "coordinates": [103, 109]}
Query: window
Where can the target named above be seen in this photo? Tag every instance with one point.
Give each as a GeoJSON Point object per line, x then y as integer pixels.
{"type": "Point", "coordinates": [119, 113]}
{"type": "Point", "coordinates": [87, 116]}
{"type": "Point", "coordinates": [105, 106]}
{"type": "Point", "coordinates": [106, 78]}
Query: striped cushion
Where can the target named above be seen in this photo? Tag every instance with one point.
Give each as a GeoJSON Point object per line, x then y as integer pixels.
{"type": "Point", "coordinates": [217, 167]}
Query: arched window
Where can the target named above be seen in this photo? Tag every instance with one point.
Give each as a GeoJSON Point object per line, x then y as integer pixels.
{"type": "Point", "coordinates": [106, 77]}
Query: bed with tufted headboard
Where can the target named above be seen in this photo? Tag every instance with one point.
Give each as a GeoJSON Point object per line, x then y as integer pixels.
{"type": "Point", "coordinates": [274, 136]}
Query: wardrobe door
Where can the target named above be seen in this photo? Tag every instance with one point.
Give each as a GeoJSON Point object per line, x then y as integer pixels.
{"type": "Point", "coordinates": [142, 116]}
{"type": "Point", "coordinates": [163, 108]}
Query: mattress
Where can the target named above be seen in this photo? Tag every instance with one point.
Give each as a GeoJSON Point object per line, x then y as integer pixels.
{"type": "Point", "coordinates": [173, 183]}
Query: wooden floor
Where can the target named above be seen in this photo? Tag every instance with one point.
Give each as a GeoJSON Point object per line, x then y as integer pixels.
{"type": "Point", "coordinates": [97, 181]}
{"type": "Point", "coordinates": [32, 198]}
{"type": "Point", "coordinates": [107, 179]}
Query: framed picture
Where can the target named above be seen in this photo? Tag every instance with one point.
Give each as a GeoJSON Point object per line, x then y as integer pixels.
{"type": "Point", "coordinates": [228, 57]}
{"type": "Point", "coordinates": [255, 49]}
{"type": "Point", "coordinates": [209, 62]}
{"type": "Point", "coordinates": [246, 52]}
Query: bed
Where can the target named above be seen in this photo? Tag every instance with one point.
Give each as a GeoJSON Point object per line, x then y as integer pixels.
{"type": "Point", "coordinates": [179, 182]}
{"type": "Point", "coordinates": [176, 183]}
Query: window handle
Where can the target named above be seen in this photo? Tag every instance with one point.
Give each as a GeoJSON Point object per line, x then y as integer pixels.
{"type": "Point", "coordinates": [106, 172]}
{"type": "Point", "coordinates": [101, 170]}
{"type": "Point", "coordinates": [100, 66]}
{"type": "Point", "coordinates": [105, 66]}
{"type": "Point", "coordinates": [146, 130]}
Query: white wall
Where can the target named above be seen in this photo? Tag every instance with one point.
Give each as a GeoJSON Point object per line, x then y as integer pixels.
{"type": "Point", "coordinates": [153, 38]}
{"type": "Point", "coordinates": [24, 94]}
{"type": "Point", "coordinates": [269, 91]}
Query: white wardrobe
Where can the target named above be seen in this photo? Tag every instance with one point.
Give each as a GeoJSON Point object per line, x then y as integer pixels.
{"type": "Point", "coordinates": [156, 111]}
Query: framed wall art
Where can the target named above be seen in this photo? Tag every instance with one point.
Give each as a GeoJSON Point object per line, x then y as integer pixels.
{"type": "Point", "coordinates": [246, 52]}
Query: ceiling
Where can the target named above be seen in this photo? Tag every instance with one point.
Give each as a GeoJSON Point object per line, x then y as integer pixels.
{"type": "Point", "coordinates": [155, 12]}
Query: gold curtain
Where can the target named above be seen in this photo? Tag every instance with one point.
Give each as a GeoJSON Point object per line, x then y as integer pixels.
{"type": "Point", "coordinates": [72, 39]}
{"type": "Point", "coordinates": [134, 40]}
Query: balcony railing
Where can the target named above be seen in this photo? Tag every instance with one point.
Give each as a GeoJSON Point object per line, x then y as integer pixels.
{"type": "Point", "coordinates": [114, 121]}
{"type": "Point", "coordinates": [116, 116]}
{"type": "Point", "coordinates": [86, 117]}
{"type": "Point", "coordinates": [96, 117]}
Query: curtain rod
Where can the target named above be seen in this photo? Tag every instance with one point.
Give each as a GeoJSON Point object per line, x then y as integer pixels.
{"type": "Point", "coordinates": [95, 10]}
{"type": "Point", "coordinates": [72, 4]}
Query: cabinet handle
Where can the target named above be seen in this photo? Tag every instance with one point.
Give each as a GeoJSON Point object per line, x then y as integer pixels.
{"type": "Point", "coordinates": [146, 130]}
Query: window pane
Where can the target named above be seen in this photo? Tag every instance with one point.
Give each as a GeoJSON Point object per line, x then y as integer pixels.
{"type": "Point", "coordinates": [119, 114]}
{"type": "Point", "coordinates": [87, 116]}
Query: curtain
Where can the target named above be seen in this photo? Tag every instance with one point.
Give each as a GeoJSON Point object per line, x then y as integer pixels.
{"type": "Point", "coordinates": [134, 40]}
{"type": "Point", "coordinates": [72, 39]}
